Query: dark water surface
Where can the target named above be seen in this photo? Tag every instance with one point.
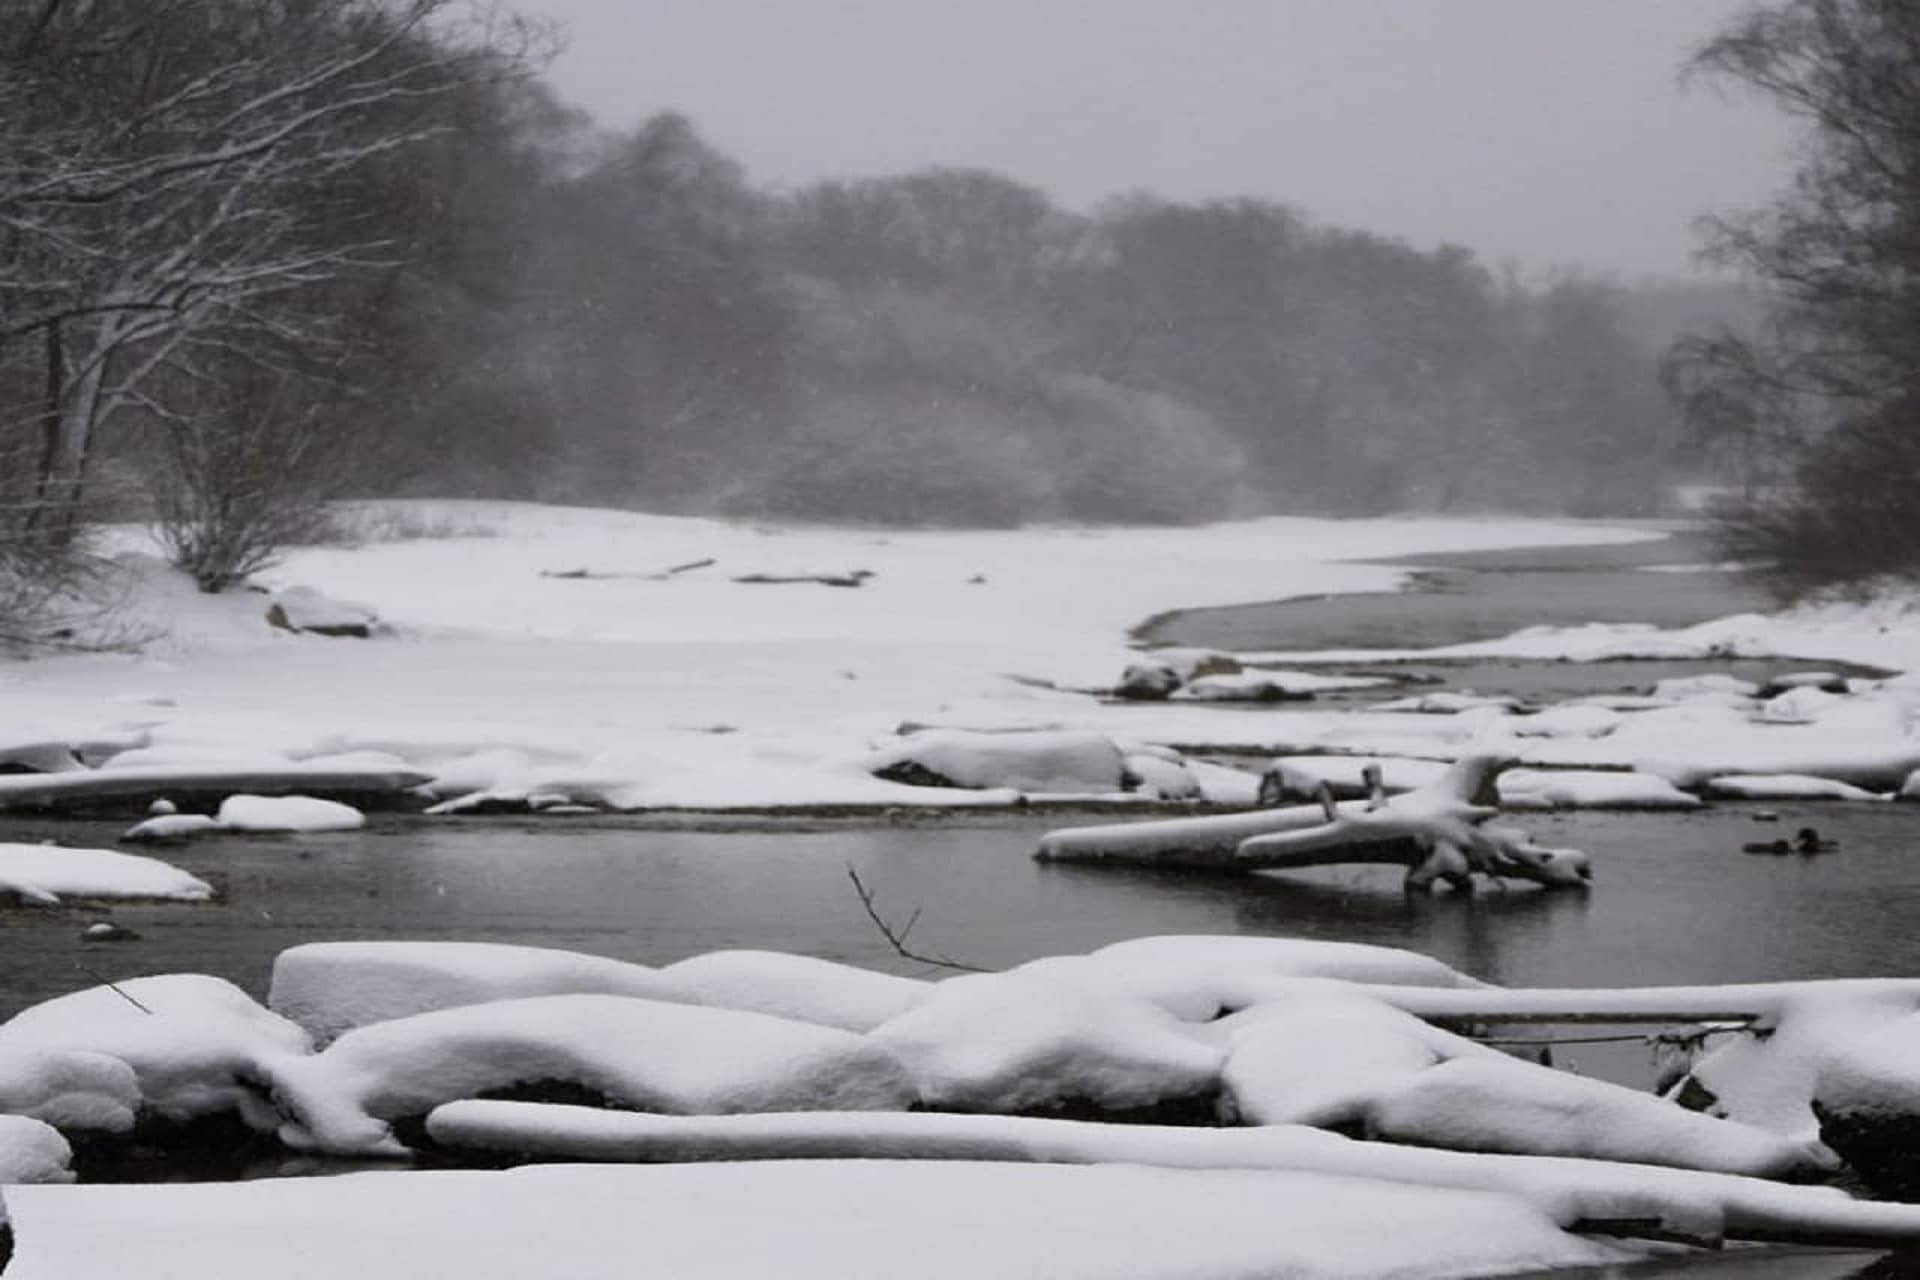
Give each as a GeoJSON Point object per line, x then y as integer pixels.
{"type": "Point", "coordinates": [1674, 900]}
{"type": "Point", "coordinates": [1482, 595]}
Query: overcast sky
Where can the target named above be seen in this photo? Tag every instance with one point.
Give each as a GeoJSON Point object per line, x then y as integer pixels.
{"type": "Point", "coordinates": [1541, 131]}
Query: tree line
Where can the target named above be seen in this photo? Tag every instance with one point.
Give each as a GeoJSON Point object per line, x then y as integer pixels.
{"type": "Point", "coordinates": [259, 254]}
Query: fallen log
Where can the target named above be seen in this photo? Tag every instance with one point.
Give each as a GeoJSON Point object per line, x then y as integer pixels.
{"type": "Point", "coordinates": [1438, 832]}
{"type": "Point", "coordinates": [1580, 1194]}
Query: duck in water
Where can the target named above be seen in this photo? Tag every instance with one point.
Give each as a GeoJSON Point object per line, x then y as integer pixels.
{"type": "Point", "coordinates": [1805, 840]}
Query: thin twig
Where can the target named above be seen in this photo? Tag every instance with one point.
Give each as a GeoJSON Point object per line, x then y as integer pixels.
{"type": "Point", "coordinates": [113, 987]}
{"type": "Point", "coordinates": [897, 939]}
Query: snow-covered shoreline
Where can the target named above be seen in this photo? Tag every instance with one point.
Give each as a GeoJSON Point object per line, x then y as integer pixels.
{"type": "Point", "coordinates": [696, 664]}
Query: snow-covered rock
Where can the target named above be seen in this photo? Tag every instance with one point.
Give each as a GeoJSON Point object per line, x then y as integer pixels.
{"type": "Point", "coordinates": [1021, 1041]}
{"type": "Point", "coordinates": [269, 814]}
{"type": "Point", "coordinates": [1590, 789]}
{"type": "Point", "coordinates": [74, 1090]}
{"type": "Point", "coordinates": [1568, 721]}
{"type": "Point", "coordinates": [644, 1054]}
{"type": "Point", "coordinates": [43, 873]}
{"type": "Point", "coordinates": [1867, 1097]}
{"type": "Point", "coordinates": [1161, 774]}
{"type": "Point", "coordinates": [38, 757]}
{"type": "Point", "coordinates": [1148, 680]}
{"type": "Point", "coordinates": [32, 1152]}
{"type": "Point", "coordinates": [1824, 681]}
{"type": "Point", "coordinates": [802, 988]}
{"type": "Point", "coordinates": [1446, 703]}
{"type": "Point", "coordinates": [309, 610]}
{"type": "Point", "coordinates": [1801, 705]}
{"type": "Point", "coordinates": [196, 1045]}
{"type": "Point", "coordinates": [1063, 762]}
{"type": "Point", "coordinates": [332, 987]}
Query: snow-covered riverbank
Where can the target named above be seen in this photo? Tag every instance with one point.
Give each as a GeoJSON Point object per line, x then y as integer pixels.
{"type": "Point", "coordinates": [558, 650]}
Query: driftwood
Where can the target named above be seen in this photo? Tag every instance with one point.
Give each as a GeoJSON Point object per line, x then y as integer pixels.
{"type": "Point", "coordinates": [855, 578]}
{"type": "Point", "coordinates": [1438, 832]}
{"type": "Point", "coordinates": [590, 575]}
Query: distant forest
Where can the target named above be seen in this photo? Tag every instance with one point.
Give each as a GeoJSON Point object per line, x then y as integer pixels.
{"type": "Point", "coordinates": [474, 291]}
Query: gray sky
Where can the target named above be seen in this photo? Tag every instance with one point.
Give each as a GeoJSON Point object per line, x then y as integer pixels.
{"type": "Point", "coordinates": [1543, 131]}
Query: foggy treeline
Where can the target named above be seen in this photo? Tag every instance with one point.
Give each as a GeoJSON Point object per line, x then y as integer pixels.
{"type": "Point", "coordinates": [349, 248]}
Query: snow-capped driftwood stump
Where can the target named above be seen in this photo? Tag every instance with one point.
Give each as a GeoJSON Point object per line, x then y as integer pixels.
{"type": "Point", "coordinates": [1438, 832]}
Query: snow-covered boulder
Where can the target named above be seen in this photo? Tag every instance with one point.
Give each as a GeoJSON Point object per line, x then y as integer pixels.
{"type": "Point", "coordinates": [196, 1045]}
{"type": "Point", "coordinates": [644, 1054]}
{"type": "Point", "coordinates": [1568, 721]}
{"type": "Point", "coordinates": [1148, 680]}
{"type": "Point", "coordinates": [42, 873]}
{"type": "Point", "coordinates": [1910, 789]}
{"type": "Point", "coordinates": [802, 988]}
{"type": "Point", "coordinates": [1783, 786]}
{"type": "Point", "coordinates": [1823, 681]}
{"type": "Point", "coordinates": [308, 610]}
{"type": "Point", "coordinates": [1160, 774]}
{"type": "Point", "coordinates": [1802, 705]}
{"type": "Point", "coordinates": [1021, 1041]}
{"type": "Point", "coordinates": [332, 987]}
{"type": "Point", "coordinates": [1590, 789]}
{"type": "Point", "coordinates": [1057, 761]}
{"type": "Point", "coordinates": [1867, 1098]}
{"type": "Point", "coordinates": [32, 1152]}
{"type": "Point", "coordinates": [273, 814]}
{"type": "Point", "coordinates": [74, 1090]}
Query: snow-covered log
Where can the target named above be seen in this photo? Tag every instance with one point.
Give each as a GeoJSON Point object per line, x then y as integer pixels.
{"type": "Point", "coordinates": [1578, 1194]}
{"type": "Point", "coordinates": [1434, 831]}
{"type": "Point", "coordinates": [91, 787]}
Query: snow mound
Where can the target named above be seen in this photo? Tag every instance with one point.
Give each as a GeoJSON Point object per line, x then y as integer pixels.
{"type": "Point", "coordinates": [197, 1046]}
{"type": "Point", "coordinates": [802, 988]}
{"type": "Point", "coordinates": [267, 814]}
{"type": "Point", "coordinates": [644, 1054]}
{"type": "Point", "coordinates": [31, 1152]}
{"type": "Point", "coordinates": [75, 1091]}
{"type": "Point", "coordinates": [1053, 762]}
{"type": "Point", "coordinates": [1196, 976]}
{"type": "Point", "coordinates": [1880, 1074]}
{"type": "Point", "coordinates": [1317, 1056]}
{"type": "Point", "coordinates": [1019, 1041]}
{"type": "Point", "coordinates": [331, 987]}
{"type": "Point", "coordinates": [42, 873]}
{"type": "Point", "coordinates": [305, 609]}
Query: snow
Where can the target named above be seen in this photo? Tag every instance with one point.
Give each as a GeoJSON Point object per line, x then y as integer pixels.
{"type": "Point", "coordinates": [1784, 786]}
{"type": "Point", "coordinates": [693, 690]}
{"type": "Point", "coordinates": [802, 988]}
{"type": "Point", "coordinates": [331, 987]}
{"type": "Point", "coordinates": [196, 1045]}
{"type": "Point", "coordinates": [1062, 762]}
{"type": "Point", "coordinates": [42, 873]}
{"type": "Point", "coordinates": [1875, 1074]}
{"type": "Point", "coordinates": [1590, 789]}
{"type": "Point", "coordinates": [287, 814]}
{"type": "Point", "coordinates": [645, 1054]}
{"type": "Point", "coordinates": [31, 1152]}
{"type": "Point", "coordinates": [1023, 1041]}
{"type": "Point", "coordinates": [861, 1220]}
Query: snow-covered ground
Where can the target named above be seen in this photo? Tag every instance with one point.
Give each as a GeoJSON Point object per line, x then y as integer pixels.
{"type": "Point", "coordinates": [566, 655]}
